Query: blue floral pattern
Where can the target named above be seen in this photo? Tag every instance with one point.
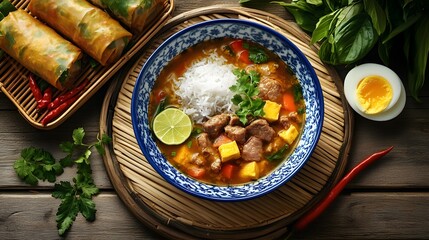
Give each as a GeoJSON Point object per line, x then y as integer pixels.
{"type": "Point", "coordinates": [234, 28]}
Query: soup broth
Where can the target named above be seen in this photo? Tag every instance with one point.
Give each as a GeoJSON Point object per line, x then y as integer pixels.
{"type": "Point", "coordinates": [247, 110]}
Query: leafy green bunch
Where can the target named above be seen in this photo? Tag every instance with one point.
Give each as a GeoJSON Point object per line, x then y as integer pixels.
{"type": "Point", "coordinates": [348, 30]}
{"type": "Point", "coordinates": [37, 164]}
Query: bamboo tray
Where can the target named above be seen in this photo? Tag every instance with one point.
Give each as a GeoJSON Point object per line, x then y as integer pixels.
{"type": "Point", "coordinates": [177, 215]}
{"type": "Point", "coordinates": [14, 82]}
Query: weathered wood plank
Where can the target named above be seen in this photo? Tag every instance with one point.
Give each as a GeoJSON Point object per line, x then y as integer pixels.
{"type": "Point", "coordinates": [359, 215]}
{"type": "Point", "coordinates": [373, 216]}
{"type": "Point", "coordinates": [404, 166]}
{"type": "Point", "coordinates": [32, 216]}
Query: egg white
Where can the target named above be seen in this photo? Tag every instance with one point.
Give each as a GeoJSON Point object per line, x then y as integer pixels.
{"type": "Point", "coordinates": [355, 75]}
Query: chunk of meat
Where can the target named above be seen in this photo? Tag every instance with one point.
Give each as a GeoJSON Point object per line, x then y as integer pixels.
{"type": "Point", "coordinates": [235, 121]}
{"type": "Point", "coordinates": [236, 133]}
{"type": "Point", "coordinates": [261, 129]}
{"type": "Point", "coordinates": [216, 165]}
{"type": "Point", "coordinates": [293, 116]}
{"type": "Point", "coordinates": [270, 89]}
{"type": "Point", "coordinates": [286, 121]}
{"type": "Point", "coordinates": [209, 153]}
{"type": "Point", "coordinates": [215, 125]}
{"type": "Point", "coordinates": [252, 149]}
{"type": "Point", "coordinates": [206, 146]}
{"type": "Point", "coordinates": [198, 159]}
{"type": "Point", "coordinates": [203, 140]}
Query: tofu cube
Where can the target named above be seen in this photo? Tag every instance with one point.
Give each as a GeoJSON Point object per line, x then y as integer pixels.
{"type": "Point", "coordinates": [229, 151]}
{"type": "Point", "coordinates": [249, 170]}
{"type": "Point", "coordinates": [271, 111]}
{"type": "Point", "coordinates": [289, 135]}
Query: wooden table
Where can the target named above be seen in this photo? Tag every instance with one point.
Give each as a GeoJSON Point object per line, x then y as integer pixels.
{"type": "Point", "coordinates": [388, 200]}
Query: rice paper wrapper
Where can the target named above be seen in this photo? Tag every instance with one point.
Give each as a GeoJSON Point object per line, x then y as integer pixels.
{"type": "Point", "coordinates": [89, 27]}
{"type": "Point", "coordinates": [40, 49]}
{"type": "Point", "coordinates": [136, 14]}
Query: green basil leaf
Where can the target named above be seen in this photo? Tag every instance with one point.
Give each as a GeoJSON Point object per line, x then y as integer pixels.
{"type": "Point", "coordinates": [355, 39]}
{"type": "Point", "coordinates": [315, 2]}
{"type": "Point", "coordinates": [351, 41]}
{"type": "Point", "coordinates": [337, 4]}
{"type": "Point", "coordinates": [306, 15]}
{"type": "Point", "coordinates": [346, 13]}
{"type": "Point", "coordinates": [403, 27]}
{"type": "Point", "coordinates": [323, 27]}
{"type": "Point", "coordinates": [383, 52]}
{"type": "Point", "coordinates": [416, 73]}
{"type": "Point", "coordinates": [377, 14]}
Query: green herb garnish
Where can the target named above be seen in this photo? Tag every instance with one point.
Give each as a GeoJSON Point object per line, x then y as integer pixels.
{"type": "Point", "coordinates": [76, 196]}
{"type": "Point", "coordinates": [280, 154]}
{"type": "Point", "coordinates": [256, 55]}
{"type": "Point", "coordinates": [5, 8]}
{"type": "Point", "coordinates": [246, 89]}
{"type": "Point", "coordinates": [37, 164]}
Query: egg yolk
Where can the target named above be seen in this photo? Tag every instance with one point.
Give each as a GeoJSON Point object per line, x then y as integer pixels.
{"type": "Point", "coordinates": [374, 94]}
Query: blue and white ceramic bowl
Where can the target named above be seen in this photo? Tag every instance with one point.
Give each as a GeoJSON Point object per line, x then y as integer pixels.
{"type": "Point", "coordinates": [234, 28]}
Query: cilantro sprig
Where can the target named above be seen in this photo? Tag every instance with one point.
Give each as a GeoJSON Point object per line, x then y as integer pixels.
{"type": "Point", "coordinates": [37, 164]}
{"type": "Point", "coordinates": [246, 92]}
{"type": "Point", "coordinates": [76, 196]}
{"type": "Point", "coordinates": [257, 55]}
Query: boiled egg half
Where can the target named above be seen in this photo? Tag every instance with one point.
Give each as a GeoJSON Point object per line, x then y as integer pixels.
{"type": "Point", "coordinates": [375, 92]}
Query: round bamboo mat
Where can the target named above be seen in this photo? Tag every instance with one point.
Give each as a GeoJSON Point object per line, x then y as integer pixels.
{"type": "Point", "coordinates": [177, 215]}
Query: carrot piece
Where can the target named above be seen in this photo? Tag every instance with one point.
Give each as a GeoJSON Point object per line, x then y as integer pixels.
{"type": "Point", "coordinates": [289, 102]}
{"type": "Point", "coordinates": [222, 139]}
{"type": "Point", "coordinates": [196, 172]}
{"type": "Point", "coordinates": [227, 170]}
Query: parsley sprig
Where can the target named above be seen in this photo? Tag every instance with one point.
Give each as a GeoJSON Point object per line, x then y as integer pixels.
{"type": "Point", "coordinates": [246, 89]}
{"type": "Point", "coordinates": [76, 196]}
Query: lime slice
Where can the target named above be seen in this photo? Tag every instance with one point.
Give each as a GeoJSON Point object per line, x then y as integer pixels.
{"type": "Point", "coordinates": [172, 126]}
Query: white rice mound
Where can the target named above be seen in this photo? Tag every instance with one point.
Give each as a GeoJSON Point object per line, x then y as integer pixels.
{"type": "Point", "coordinates": [204, 87]}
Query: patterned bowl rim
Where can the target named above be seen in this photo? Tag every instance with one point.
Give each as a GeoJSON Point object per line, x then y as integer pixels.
{"type": "Point", "coordinates": [247, 186]}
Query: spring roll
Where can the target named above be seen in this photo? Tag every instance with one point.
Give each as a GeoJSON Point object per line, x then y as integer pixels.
{"type": "Point", "coordinates": [89, 27]}
{"type": "Point", "coordinates": [136, 14]}
{"type": "Point", "coordinates": [40, 49]}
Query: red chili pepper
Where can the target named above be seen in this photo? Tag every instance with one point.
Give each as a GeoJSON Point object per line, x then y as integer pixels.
{"type": "Point", "coordinates": [46, 99]}
{"type": "Point", "coordinates": [66, 96]}
{"type": "Point", "coordinates": [37, 93]}
{"type": "Point", "coordinates": [237, 45]}
{"type": "Point", "coordinates": [303, 222]}
{"type": "Point", "coordinates": [57, 111]}
{"type": "Point", "coordinates": [244, 57]}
